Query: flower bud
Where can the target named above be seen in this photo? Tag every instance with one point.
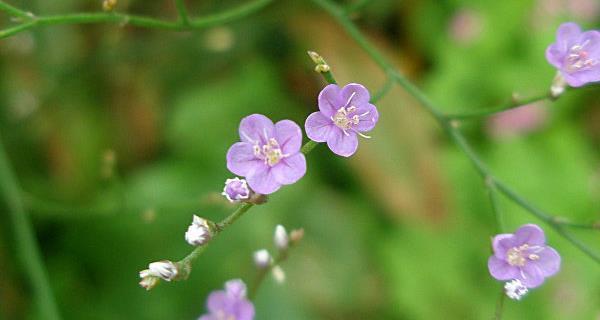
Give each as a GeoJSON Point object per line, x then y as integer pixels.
{"type": "Point", "coordinates": [296, 235]}
{"type": "Point", "coordinates": [262, 258]}
{"type": "Point", "coordinates": [278, 274]}
{"type": "Point", "coordinates": [236, 190]}
{"type": "Point", "coordinates": [281, 238]}
{"type": "Point", "coordinates": [164, 269]}
{"type": "Point", "coordinates": [515, 289]}
{"type": "Point", "coordinates": [148, 282]}
{"type": "Point", "coordinates": [199, 232]}
{"type": "Point", "coordinates": [559, 84]}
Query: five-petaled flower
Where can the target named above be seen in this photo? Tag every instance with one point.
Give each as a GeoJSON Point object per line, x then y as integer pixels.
{"type": "Point", "coordinates": [523, 256]}
{"type": "Point", "coordinates": [576, 54]}
{"type": "Point", "coordinates": [230, 303]}
{"type": "Point", "coordinates": [268, 155]}
{"type": "Point", "coordinates": [343, 114]}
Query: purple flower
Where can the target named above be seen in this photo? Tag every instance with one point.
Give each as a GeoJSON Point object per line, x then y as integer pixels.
{"type": "Point", "coordinates": [236, 189]}
{"type": "Point", "coordinates": [344, 114]}
{"type": "Point", "coordinates": [230, 303]}
{"type": "Point", "coordinates": [268, 155]}
{"type": "Point", "coordinates": [576, 54]}
{"type": "Point", "coordinates": [523, 256]}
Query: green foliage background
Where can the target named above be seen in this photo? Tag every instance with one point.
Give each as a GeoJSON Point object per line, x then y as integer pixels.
{"type": "Point", "coordinates": [400, 231]}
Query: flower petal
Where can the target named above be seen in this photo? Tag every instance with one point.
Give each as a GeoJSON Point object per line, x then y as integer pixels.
{"type": "Point", "coordinates": [330, 100]}
{"type": "Point", "coordinates": [262, 180]}
{"type": "Point", "coordinates": [555, 55]}
{"type": "Point", "coordinates": [290, 169]}
{"type": "Point", "coordinates": [531, 276]}
{"type": "Point", "coordinates": [529, 234]}
{"type": "Point", "coordinates": [566, 34]}
{"type": "Point", "coordinates": [501, 270]}
{"type": "Point", "coordinates": [368, 117]}
{"type": "Point", "coordinates": [218, 301]}
{"type": "Point", "coordinates": [354, 94]}
{"type": "Point", "coordinates": [318, 126]}
{"type": "Point", "coordinates": [236, 288]}
{"type": "Point", "coordinates": [289, 136]}
{"type": "Point", "coordinates": [241, 159]}
{"type": "Point", "coordinates": [256, 128]}
{"type": "Point", "coordinates": [549, 262]}
{"type": "Point", "coordinates": [501, 244]}
{"type": "Point", "coordinates": [342, 144]}
{"type": "Point", "coordinates": [244, 310]}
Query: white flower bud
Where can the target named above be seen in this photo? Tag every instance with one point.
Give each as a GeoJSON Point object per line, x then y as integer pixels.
{"type": "Point", "coordinates": [148, 282]}
{"type": "Point", "coordinates": [559, 84]}
{"type": "Point", "coordinates": [198, 233]}
{"type": "Point", "coordinates": [278, 274]}
{"type": "Point", "coordinates": [515, 289]}
{"type": "Point", "coordinates": [281, 238]}
{"type": "Point", "coordinates": [164, 269]}
{"type": "Point", "coordinates": [262, 258]}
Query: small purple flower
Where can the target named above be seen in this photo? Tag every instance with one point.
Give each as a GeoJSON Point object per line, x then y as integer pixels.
{"type": "Point", "coordinates": [236, 189]}
{"type": "Point", "coordinates": [576, 54]}
{"type": "Point", "coordinates": [230, 303]}
{"type": "Point", "coordinates": [523, 256]}
{"type": "Point", "coordinates": [268, 155]}
{"type": "Point", "coordinates": [344, 114]}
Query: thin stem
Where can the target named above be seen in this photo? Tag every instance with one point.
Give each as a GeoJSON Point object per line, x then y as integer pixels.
{"type": "Point", "coordinates": [14, 11]}
{"type": "Point", "coordinates": [356, 6]}
{"type": "Point", "coordinates": [183, 13]}
{"type": "Point", "coordinates": [339, 14]}
{"type": "Point", "coordinates": [329, 77]}
{"type": "Point", "coordinates": [135, 20]}
{"type": "Point", "coordinates": [492, 193]}
{"type": "Point", "coordinates": [26, 245]}
{"type": "Point", "coordinates": [387, 86]}
{"type": "Point", "coordinates": [508, 106]}
{"type": "Point", "coordinates": [187, 261]}
{"type": "Point", "coordinates": [500, 305]}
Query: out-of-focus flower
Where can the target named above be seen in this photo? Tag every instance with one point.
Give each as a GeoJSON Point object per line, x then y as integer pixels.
{"type": "Point", "coordinates": [523, 256]}
{"type": "Point", "coordinates": [199, 232]}
{"type": "Point", "coordinates": [262, 258]}
{"type": "Point", "coordinates": [515, 289]}
{"type": "Point", "coordinates": [344, 114]}
{"type": "Point", "coordinates": [281, 238]}
{"type": "Point", "coordinates": [164, 269]}
{"type": "Point", "coordinates": [466, 26]}
{"type": "Point", "coordinates": [236, 189]}
{"type": "Point", "coordinates": [278, 274]}
{"type": "Point", "coordinates": [230, 303]}
{"type": "Point", "coordinates": [268, 155]}
{"type": "Point", "coordinates": [517, 121]}
{"type": "Point", "coordinates": [576, 54]}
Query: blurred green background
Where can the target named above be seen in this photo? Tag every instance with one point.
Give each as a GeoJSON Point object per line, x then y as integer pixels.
{"type": "Point", "coordinates": [399, 231]}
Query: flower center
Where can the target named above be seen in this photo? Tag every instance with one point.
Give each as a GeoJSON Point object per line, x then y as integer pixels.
{"type": "Point", "coordinates": [343, 120]}
{"type": "Point", "coordinates": [270, 152]}
{"type": "Point", "coordinates": [578, 59]}
{"type": "Point", "coordinates": [518, 256]}
{"type": "Point", "coordinates": [221, 315]}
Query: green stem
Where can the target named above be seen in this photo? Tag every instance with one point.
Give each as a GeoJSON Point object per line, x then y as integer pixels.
{"type": "Point", "coordinates": [492, 193]}
{"type": "Point", "coordinates": [26, 245]}
{"type": "Point", "coordinates": [356, 6]}
{"type": "Point", "coordinates": [500, 305]}
{"type": "Point", "coordinates": [14, 11]}
{"type": "Point", "coordinates": [387, 86]}
{"type": "Point", "coordinates": [339, 14]}
{"type": "Point", "coordinates": [508, 106]}
{"type": "Point", "coordinates": [139, 21]}
{"type": "Point", "coordinates": [183, 14]}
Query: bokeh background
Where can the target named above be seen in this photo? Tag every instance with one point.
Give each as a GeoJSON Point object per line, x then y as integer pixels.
{"type": "Point", "coordinates": [118, 135]}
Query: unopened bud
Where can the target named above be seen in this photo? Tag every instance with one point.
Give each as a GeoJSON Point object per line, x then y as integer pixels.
{"type": "Point", "coordinates": [236, 190]}
{"type": "Point", "coordinates": [109, 5]}
{"type": "Point", "coordinates": [278, 274]}
{"type": "Point", "coordinates": [559, 84]}
{"type": "Point", "coordinates": [262, 258]}
{"type": "Point", "coordinates": [199, 232]}
{"type": "Point", "coordinates": [322, 68]}
{"type": "Point", "coordinates": [164, 269]}
{"type": "Point", "coordinates": [315, 57]}
{"type": "Point", "coordinates": [296, 235]}
{"type": "Point", "coordinates": [515, 289]}
{"type": "Point", "coordinates": [148, 282]}
{"type": "Point", "coordinates": [281, 238]}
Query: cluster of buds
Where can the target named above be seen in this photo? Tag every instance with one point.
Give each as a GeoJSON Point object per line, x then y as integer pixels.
{"type": "Point", "coordinates": [321, 65]}
{"type": "Point", "coordinates": [282, 241]}
{"type": "Point", "coordinates": [236, 190]}
{"type": "Point", "coordinates": [515, 289]}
